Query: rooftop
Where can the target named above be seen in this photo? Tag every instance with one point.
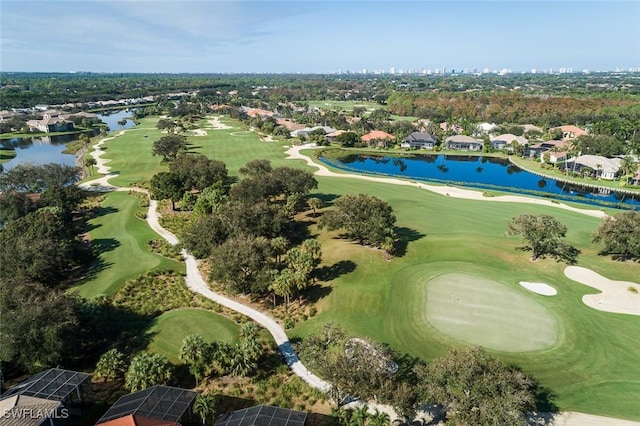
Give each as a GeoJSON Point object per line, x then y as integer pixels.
{"type": "Point", "coordinates": [263, 415]}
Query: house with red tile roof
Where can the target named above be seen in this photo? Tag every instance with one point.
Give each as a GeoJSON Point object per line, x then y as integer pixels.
{"type": "Point", "coordinates": [571, 132]}
{"type": "Point", "coordinates": [378, 138]}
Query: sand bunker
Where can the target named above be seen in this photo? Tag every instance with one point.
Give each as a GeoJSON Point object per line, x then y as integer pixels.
{"type": "Point", "coordinates": [540, 288]}
{"type": "Point", "coordinates": [217, 125]}
{"type": "Point", "coordinates": [620, 297]}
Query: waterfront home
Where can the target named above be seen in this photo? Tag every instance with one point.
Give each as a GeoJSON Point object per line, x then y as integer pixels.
{"type": "Point", "coordinates": [538, 149]}
{"type": "Point", "coordinates": [331, 136]}
{"type": "Point", "coordinates": [419, 140]}
{"type": "Point", "coordinates": [462, 143]}
{"type": "Point", "coordinates": [378, 138]}
{"type": "Point", "coordinates": [50, 124]}
{"type": "Point", "coordinates": [599, 166]}
{"type": "Point", "coordinates": [507, 140]}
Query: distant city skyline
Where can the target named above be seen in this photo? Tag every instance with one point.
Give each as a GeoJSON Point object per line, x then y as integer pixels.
{"type": "Point", "coordinates": [266, 36]}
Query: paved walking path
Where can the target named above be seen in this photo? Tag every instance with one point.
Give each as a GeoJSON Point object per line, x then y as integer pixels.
{"type": "Point", "coordinates": [196, 283]}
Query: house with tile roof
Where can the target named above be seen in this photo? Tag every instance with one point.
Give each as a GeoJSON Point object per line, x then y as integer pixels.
{"type": "Point", "coordinates": [601, 167]}
{"type": "Point", "coordinates": [419, 140]}
{"type": "Point", "coordinates": [507, 139]}
{"type": "Point", "coordinates": [378, 138]}
{"type": "Point", "coordinates": [52, 121]}
{"type": "Point", "coordinates": [462, 143]}
{"type": "Point", "coordinates": [571, 132]}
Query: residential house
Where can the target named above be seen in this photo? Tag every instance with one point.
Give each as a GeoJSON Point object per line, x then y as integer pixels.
{"type": "Point", "coordinates": [378, 138]}
{"type": "Point", "coordinates": [462, 143]}
{"type": "Point", "coordinates": [571, 132]}
{"type": "Point", "coordinates": [602, 167]}
{"type": "Point", "coordinates": [304, 132]}
{"type": "Point", "coordinates": [331, 137]}
{"type": "Point", "coordinates": [9, 115]}
{"type": "Point", "coordinates": [263, 415]}
{"type": "Point", "coordinates": [419, 140]}
{"type": "Point", "coordinates": [485, 128]}
{"type": "Point", "coordinates": [154, 406]}
{"type": "Point", "coordinates": [552, 145]}
{"type": "Point", "coordinates": [52, 121]}
{"type": "Point", "coordinates": [532, 128]}
{"type": "Point", "coordinates": [50, 397]}
{"type": "Point", "coordinates": [289, 124]}
{"type": "Point", "coordinates": [506, 141]}
{"type": "Point", "coordinates": [451, 127]}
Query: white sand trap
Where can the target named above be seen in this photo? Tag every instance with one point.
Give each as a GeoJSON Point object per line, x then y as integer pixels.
{"type": "Point", "coordinates": [615, 296]}
{"type": "Point", "coordinates": [540, 288]}
{"type": "Point", "coordinates": [199, 132]}
{"type": "Point", "coordinates": [217, 125]}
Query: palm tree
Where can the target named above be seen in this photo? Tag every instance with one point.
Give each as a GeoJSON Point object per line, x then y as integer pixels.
{"type": "Point", "coordinates": [195, 351]}
{"type": "Point", "coordinates": [204, 406]}
{"type": "Point", "coordinates": [379, 418]}
{"type": "Point", "coordinates": [360, 415]}
{"type": "Point", "coordinates": [147, 370]}
{"type": "Point", "coordinates": [90, 162]}
{"type": "Point", "coordinates": [627, 167]}
{"type": "Point", "coordinates": [314, 203]}
{"type": "Point", "coordinates": [242, 362]}
{"type": "Point", "coordinates": [111, 365]}
{"type": "Point", "coordinates": [279, 245]}
{"type": "Point", "coordinates": [388, 246]}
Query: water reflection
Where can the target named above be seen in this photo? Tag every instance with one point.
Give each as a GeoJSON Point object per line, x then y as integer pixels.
{"type": "Point", "coordinates": [482, 172]}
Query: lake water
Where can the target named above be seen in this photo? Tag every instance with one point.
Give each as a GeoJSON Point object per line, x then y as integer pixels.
{"type": "Point", "coordinates": [49, 149]}
{"type": "Point", "coordinates": [481, 172]}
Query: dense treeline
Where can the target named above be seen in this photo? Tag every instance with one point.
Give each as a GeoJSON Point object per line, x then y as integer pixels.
{"type": "Point", "coordinates": [22, 90]}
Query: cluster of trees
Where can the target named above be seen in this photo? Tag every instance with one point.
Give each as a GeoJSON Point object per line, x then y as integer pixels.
{"type": "Point", "coordinates": [544, 236]}
{"type": "Point", "coordinates": [470, 385]}
{"type": "Point", "coordinates": [40, 254]}
{"type": "Point", "coordinates": [221, 358]}
{"type": "Point", "coordinates": [364, 218]}
{"type": "Point", "coordinates": [247, 231]}
{"type": "Point", "coordinates": [188, 173]}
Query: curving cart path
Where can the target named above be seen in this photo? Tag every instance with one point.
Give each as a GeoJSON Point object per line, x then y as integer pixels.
{"type": "Point", "coordinates": [196, 282]}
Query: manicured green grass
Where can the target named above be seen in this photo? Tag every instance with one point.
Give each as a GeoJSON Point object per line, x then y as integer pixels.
{"type": "Point", "coordinates": [169, 330]}
{"type": "Point", "coordinates": [121, 238]}
{"type": "Point", "coordinates": [485, 312]}
{"type": "Point", "coordinates": [593, 366]}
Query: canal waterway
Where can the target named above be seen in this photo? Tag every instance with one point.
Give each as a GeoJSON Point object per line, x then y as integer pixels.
{"type": "Point", "coordinates": [48, 149]}
{"type": "Point", "coordinates": [488, 173]}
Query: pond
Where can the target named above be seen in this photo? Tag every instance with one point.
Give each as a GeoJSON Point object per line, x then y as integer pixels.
{"type": "Point", "coordinates": [488, 173]}
{"type": "Point", "coordinates": [48, 149]}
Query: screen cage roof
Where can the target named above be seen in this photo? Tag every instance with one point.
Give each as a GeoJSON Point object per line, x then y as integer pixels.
{"type": "Point", "coordinates": [263, 415]}
{"type": "Point", "coordinates": [54, 384]}
{"type": "Point", "coordinates": [157, 402]}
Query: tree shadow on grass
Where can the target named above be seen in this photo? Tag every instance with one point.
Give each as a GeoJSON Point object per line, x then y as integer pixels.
{"type": "Point", "coordinates": [327, 199]}
{"type": "Point", "coordinates": [406, 235]}
{"type": "Point", "coordinates": [328, 273]}
{"type": "Point", "coordinates": [103, 245]}
{"type": "Point", "coordinates": [103, 211]}
{"type": "Point", "coordinates": [316, 292]}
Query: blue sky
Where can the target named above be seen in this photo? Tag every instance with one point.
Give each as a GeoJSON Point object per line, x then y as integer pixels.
{"type": "Point", "coordinates": [316, 36]}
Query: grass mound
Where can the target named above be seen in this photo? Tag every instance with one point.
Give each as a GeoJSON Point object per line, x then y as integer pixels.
{"type": "Point", "coordinates": [170, 329]}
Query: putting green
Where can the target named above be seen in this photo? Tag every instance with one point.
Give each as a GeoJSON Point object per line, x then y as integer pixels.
{"type": "Point", "coordinates": [170, 329]}
{"type": "Point", "coordinates": [490, 314]}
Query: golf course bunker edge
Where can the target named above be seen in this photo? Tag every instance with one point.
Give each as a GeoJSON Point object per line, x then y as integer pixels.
{"type": "Point", "coordinates": [487, 313]}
